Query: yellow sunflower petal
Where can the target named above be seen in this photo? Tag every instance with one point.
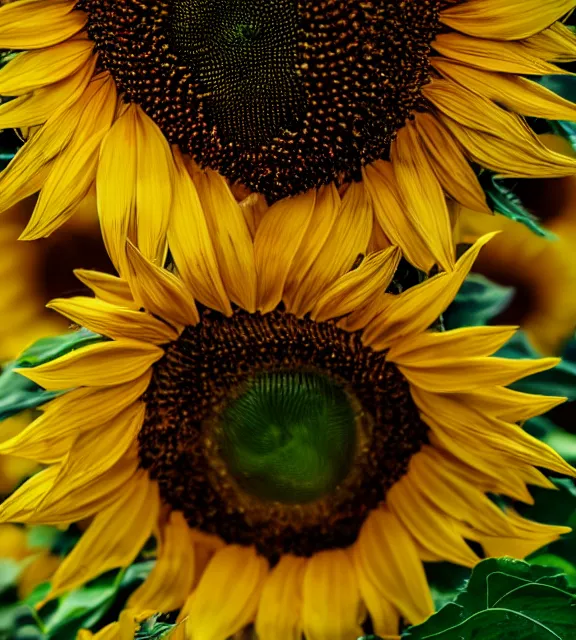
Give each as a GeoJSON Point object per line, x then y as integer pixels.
{"type": "Point", "coordinates": [155, 177]}
{"type": "Point", "coordinates": [423, 197]}
{"type": "Point", "coordinates": [494, 471]}
{"type": "Point", "coordinates": [125, 629]}
{"type": "Point", "coordinates": [505, 19]}
{"type": "Point", "coordinates": [31, 70]}
{"type": "Point", "coordinates": [99, 365]}
{"type": "Point", "coordinates": [191, 244]}
{"type": "Point", "coordinates": [514, 92]}
{"type": "Point", "coordinates": [506, 57]}
{"type": "Point", "coordinates": [276, 245]}
{"type": "Point", "coordinates": [508, 160]}
{"type": "Point", "coordinates": [384, 616]}
{"type": "Point", "coordinates": [171, 579]}
{"type": "Point", "coordinates": [452, 169]}
{"type": "Point", "coordinates": [74, 170]}
{"type": "Point", "coordinates": [35, 108]}
{"type": "Point", "coordinates": [332, 607]}
{"type": "Point", "coordinates": [429, 346]}
{"type": "Point", "coordinates": [555, 44]}
{"type": "Point", "coordinates": [477, 122]}
{"type": "Point", "coordinates": [29, 168]}
{"type": "Point", "coordinates": [161, 292]}
{"type": "Point", "coordinates": [112, 540]}
{"type": "Point", "coordinates": [112, 321]}
{"type": "Point", "coordinates": [94, 452]}
{"type": "Point", "coordinates": [234, 248]}
{"type": "Point", "coordinates": [469, 373]}
{"type": "Point", "coordinates": [49, 438]}
{"type": "Point", "coordinates": [20, 504]}
{"type": "Point", "coordinates": [477, 427]}
{"type": "Point", "coordinates": [529, 537]}
{"type": "Point", "coordinates": [107, 287]}
{"type": "Point", "coordinates": [358, 287]}
{"type": "Point", "coordinates": [411, 312]}
{"type": "Point", "coordinates": [40, 501]}
{"type": "Point", "coordinates": [34, 24]}
{"type": "Point", "coordinates": [383, 190]}
{"type": "Point", "coordinates": [235, 576]}
{"type": "Point", "coordinates": [348, 239]}
{"type": "Point", "coordinates": [450, 488]}
{"type": "Point", "coordinates": [280, 608]}
{"type": "Point", "coordinates": [301, 280]}
{"type": "Point", "coordinates": [116, 185]}
{"type": "Point", "coordinates": [510, 405]}
{"type": "Point", "coordinates": [432, 528]}
{"type": "Point", "coordinates": [386, 554]}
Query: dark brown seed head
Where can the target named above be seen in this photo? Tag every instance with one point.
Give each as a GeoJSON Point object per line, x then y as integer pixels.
{"type": "Point", "coordinates": [280, 96]}
{"type": "Point", "coordinates": [312, 389]}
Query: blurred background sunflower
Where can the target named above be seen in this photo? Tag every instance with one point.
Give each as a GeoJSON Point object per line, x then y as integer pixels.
{"type": "Point", "coordinates": [539, 266]}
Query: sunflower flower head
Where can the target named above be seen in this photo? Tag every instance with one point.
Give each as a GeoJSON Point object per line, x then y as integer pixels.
{"type": "Point", "coordinates": [297, 440]}
{"type": "Point", "coordinates": [280, 99]}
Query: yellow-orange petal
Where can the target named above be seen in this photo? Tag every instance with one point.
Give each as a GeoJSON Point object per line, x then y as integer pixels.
{"type": "Point", "coordinates": [103, 364]}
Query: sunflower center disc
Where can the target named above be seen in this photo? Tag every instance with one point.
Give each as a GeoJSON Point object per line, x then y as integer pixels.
{"type": "Point", "coordinates": [279, 95]}
{"type": "Point", "coordinates": [277, 431]}
{"type": "Point", "coordinates": [289, 437]}
{"type": "Point", "coordinates": [243, 53]}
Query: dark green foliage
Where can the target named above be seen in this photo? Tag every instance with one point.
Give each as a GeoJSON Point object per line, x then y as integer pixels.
{"type": "Point", "coordinates": [503, 200]}
{"type": "Point", "coordinates": [506, 598]}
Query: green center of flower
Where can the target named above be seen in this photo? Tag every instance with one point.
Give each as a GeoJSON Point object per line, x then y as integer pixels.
{"type": "Point", "coordinates": [289, 437]}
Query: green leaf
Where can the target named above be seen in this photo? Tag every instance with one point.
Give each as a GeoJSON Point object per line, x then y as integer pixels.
{"type": "Point", "coordinates": [552, 560]}
{"type": "Point", "coordinates": [506, 598]}
{"type": "Point", "coordinates": [48, 349]}
{"type": "Point", "coordinates": [446, 581]}
{"type": "Point", "coordinates": [82, 607]}
{"type": "Point", "coordinates": [504, 201]}
{"type": "Point", "coordinates": [559, 439]}
{"type": "Point", "coordinates": [9, 142]}
{"type": "Point", "coordinates": [478, 301]}
{"type": "Point", "coordinates": [563, 85]}
{"type": "Point", "coordinates": [153, 629]}
{"type": "Point", "coordinates": [559, 381]}
{"type": "Point", "coordinates": [42, 536]}
{"type": "Point", "coordinates": [18, 394]}
{"type": "Point", "coordinates": [566, 130]}
{"type": "Point", "coordinates": [9, 572]}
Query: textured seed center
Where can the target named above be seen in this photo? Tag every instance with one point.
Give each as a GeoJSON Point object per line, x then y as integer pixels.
{"type": "Point", "coordinates": [277, 431]}
{"type": "Point", "coordinates": [244, 54]}
{"type": "Point", "coordinates": [289, 437]}
{"type": "Point", "coordinates": [278, 95]}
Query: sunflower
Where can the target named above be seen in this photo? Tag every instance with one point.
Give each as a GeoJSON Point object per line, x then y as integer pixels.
{"type": "Point", "coordinates": [278, 99]}
{"type": "Point", "coordinates": [298, 445]}
{"type": "Point", "coordinates": [542, 269]}
{"type": "Point", "coordinates": [44, 271]}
